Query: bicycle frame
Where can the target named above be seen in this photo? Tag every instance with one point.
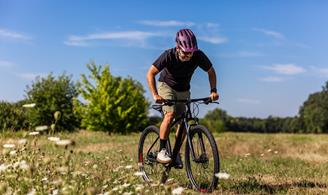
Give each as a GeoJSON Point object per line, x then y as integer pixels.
{"type": "Point", "coordinates": [184, 118]}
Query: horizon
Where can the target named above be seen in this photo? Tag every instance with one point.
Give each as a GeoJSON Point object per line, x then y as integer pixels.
{"type": "Point", "coordinates": [268, 56]}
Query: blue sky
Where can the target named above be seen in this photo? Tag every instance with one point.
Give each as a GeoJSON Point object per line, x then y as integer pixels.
{"type": "Point", "coordinates": [268, 55]}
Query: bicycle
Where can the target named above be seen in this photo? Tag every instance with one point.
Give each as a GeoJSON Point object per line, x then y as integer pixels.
{"type": "Point", "coordinates": [201, 153]}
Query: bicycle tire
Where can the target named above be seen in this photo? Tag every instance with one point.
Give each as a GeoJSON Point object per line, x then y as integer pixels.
{"type": "Point", "coordinates": [206, 184]}
{"type": "Point", "coordinates": [147, 152]}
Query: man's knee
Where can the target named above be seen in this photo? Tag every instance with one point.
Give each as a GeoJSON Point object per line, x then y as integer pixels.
{"type": "Point", "coordinates": [169, 116]}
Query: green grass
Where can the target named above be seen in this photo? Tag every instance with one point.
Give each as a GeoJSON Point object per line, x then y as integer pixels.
{"type": "Point", "coordinates": [98, 164]}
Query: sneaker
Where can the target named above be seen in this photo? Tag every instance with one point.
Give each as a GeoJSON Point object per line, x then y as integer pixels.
{"type": "Point", "coordinates": [178, 162]}
{"type": "Point", "coordinates": [163, 157]}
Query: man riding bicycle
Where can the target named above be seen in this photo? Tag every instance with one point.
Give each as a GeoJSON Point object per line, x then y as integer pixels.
{"type": "Point", "coordinates": [177, 66]}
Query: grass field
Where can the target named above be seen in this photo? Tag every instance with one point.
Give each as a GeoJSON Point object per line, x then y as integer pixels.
{"type": "Point", "coordinates": [97, 163]}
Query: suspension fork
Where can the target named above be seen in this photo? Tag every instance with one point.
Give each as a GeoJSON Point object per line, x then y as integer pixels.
{"type": "Point", "coordinates": [191, 146]}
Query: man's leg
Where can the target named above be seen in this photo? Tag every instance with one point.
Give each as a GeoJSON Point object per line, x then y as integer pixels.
{"type": "Point", "coordinates": [163, 156]}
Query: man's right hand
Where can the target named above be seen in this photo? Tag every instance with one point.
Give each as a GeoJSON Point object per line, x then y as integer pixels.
{"type": "Point", "coordinates": [158, 99]}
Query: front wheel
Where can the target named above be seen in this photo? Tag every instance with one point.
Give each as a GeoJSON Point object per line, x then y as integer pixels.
{"type": "Point", "coordinates": [147, 153]}
{"type": "Point", "coordinates": [202, 159]}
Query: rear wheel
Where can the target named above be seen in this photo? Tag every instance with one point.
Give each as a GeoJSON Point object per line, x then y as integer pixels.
{"type": "Point", "coordinates": [202, 168]}
{"type": "Point", "coordinates": [147, 153]}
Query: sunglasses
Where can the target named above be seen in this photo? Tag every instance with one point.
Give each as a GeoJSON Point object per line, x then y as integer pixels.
{"type": "Point", "coordinates": [187, 54]}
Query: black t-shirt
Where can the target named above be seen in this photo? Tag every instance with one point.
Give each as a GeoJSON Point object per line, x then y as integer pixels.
{"type": "Point", "coordinates": [177, 74]}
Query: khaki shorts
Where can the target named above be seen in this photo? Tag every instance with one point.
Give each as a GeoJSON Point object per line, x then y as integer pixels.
{"type": "Point", "coordinates": [168, 93]}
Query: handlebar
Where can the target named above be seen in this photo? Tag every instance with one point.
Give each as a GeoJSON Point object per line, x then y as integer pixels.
{"type": "Point", "coordinates": [205, 100]}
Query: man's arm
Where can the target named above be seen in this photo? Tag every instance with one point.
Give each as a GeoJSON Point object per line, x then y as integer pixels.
{"type": "Point", "coordinates": [212, 79]}
{"type": "Point", "coordinates": [152, 72]}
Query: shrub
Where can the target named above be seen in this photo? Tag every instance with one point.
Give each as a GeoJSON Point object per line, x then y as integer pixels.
{"type": "Point", "coordinates": [113, 104]}
{"type": "Point", "coordinates": [51, 94]}
{"type": "Point", "coordinates": [12, 116]}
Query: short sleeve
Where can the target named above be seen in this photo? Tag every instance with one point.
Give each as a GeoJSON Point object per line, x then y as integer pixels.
{"type": "Point", "coordinates": [162, 61]}
{"type": "Point", "coordinates": [204, 63]}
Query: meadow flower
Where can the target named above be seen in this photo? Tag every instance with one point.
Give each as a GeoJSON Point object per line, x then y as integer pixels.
{"type": "Point", "coordinates": [41, 128]}
{"type": "Point", "coordinates": [276, 152]}
{"type": "Point", "coordinates": [64, 142]}
{"type": "Point", "coordinates": [9, 145]}
{"type": "Point", "coordinates": [178, 190]}
{"type": "Point", "coordinates": [22, 141]}
{"type": "Point", "coordinates": [222, 175]}
{"type": "Point", "coordinates": [269, 150]}
{"type": "Point", "coordinates": [139, 187]}
{"type": "Point", "coordinates": [247, 154]}
{"type": "Point", "coordinates": [3, 167]}
{"type": "Point", "coordinates": [138, 173]}
{"type": "Point", "coordinates": [34, 133]}
{"type": "Point", "coordinates": [13, 153]}
{"type": "Point", "coordinates": [32, 192]}
{"type": "Point", "coordinates": [125, 185]}
{"type": "Point", "coordinates": [262, 154]}
{"type": "Point", "coordinates": [128, 167]}
{"type": "Point", "coordinates": [29, 105]}
{"type": "Point", "coordinates": [54, 139]}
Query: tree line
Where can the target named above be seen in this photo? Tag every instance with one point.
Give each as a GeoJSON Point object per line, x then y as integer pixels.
{"type": "Point", "coordinates": [101, 101]}
{"type": "Point", "coordinates": [311, 118]}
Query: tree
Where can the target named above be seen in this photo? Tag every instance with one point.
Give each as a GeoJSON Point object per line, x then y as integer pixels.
{"type": "Point", "coordinates": [216, 120]}
{"type": "Point", "coordinates": [314, 112]}
{"type": "Point", "coordinates": [113, 104]}
{"type": "Point", "coordinates": [51, 94]}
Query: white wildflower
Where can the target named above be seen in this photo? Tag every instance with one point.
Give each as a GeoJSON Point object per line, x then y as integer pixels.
{"type": "Point", "coordinates": [247, 154]}
{"type": "Point", "coordinates": [138, 173]}
{"type": "Point", "coordinates": [44, 179]}
{"type": "Point", "coordinates": [262, 154]}
{"type": "Point", "coordinates": [32, 192]}
{"type": "Point", "coordinates": [269, 150]}
{"type": "Point", "coordinates": [64, 142]}
{"type": "Point", "coordinates": [222, 175]}
{"type": "Point", "coordinates": [54, 139]}
{"type": "Point", "coordinates": [34, 133]}
{"type": "Point", "coordinates": [178, 190]}
{"type": "Point", "coordinates": [21, 164]}
{"type": "Point", "coordinates": [3, 167]}
{"type": "Point", "coordinates": [22, 141]}
{"type": "Point", "coordinates": [128, 167]}
{"type": "Point", "coordinates": [29, 105]}
{"type": "Point", "coordinates": [276, 152]}
{"type": "Point", "coordinates": [95, 166]}
{"type": "Point", "coordinates": [55, 192]}
{"type": "Point", "coordinates": [139, 187]}
{"type": "Point", "coordinates": [9, 145]}
{"type": "Point", "coordinates": [41, 128]}
{"type": "Point", "coordinates": [125, 185]}
{"type": "Point", "coordinates": [13, 153]}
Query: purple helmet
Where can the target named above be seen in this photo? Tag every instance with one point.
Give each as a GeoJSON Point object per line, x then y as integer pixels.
{"type": "Point", "coordinates": [186, 40]}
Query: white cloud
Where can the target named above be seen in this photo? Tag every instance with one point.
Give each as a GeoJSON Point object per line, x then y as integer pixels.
{"type": "Point", "coordinates": [29, 76]}
{"type": "Point", "coordinates": [137, 36]}
{"type": "Point", "coordinates": [166, 23]}
{"type": "Point", "coordinates": [323, 72]}
{"type": "Point", "coordinates": [248, 101]}
{"type": "Point", "coordinates": [6, 64]}
{"type": "Point", "coordinates": [13, 35]}
{"type": "Point", "coordinates": [287, 69]}
{"type": "Point", "coordinates": [249, 54]}
{"type": "Point", "coordinates": [213, 39]}
{"type": "Point", "coordinates": [241, 54]}
{"type": "Point", "coordinates": [272, 79]}
{"type": "Point", "coordinates": [274, 34]}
